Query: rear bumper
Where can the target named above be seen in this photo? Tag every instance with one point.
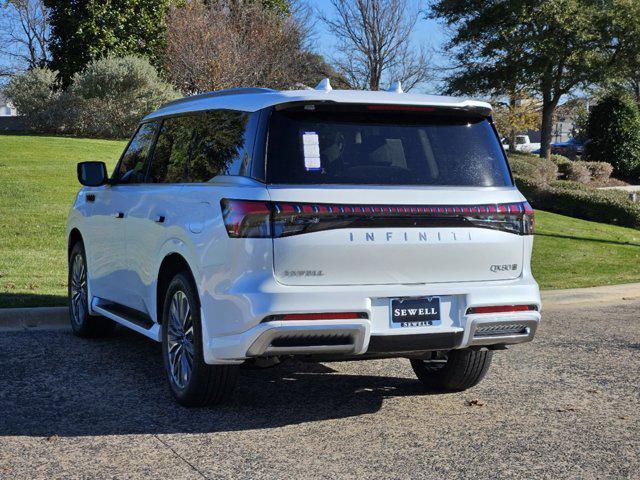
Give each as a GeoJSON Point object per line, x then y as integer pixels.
{"type": "Point", "coordinates": [374, 335]}
{"type": "Point", "coordinates": [419, 342]}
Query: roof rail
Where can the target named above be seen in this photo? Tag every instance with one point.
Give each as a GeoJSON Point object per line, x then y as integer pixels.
{"type": "Point", "coordinates": [218, 93]}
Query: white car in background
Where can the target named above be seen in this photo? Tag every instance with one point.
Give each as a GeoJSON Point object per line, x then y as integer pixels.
{"type": "Point", "coordinates": [523, 144]}
{"type": "Point", "coordinates": [252, 225]}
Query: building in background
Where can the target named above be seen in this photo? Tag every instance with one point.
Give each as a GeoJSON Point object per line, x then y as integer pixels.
{"type": "Point", "coordinates": [564, 126]}
{"type": "Point", "coordinates": [6, 109]}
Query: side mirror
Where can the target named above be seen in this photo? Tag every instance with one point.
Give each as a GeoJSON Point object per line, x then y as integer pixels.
{"type": "Point", "coordinates": [92, 174]}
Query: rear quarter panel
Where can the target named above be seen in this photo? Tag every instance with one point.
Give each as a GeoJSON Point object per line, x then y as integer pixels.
{"type": "Point", "coordinates": [223, 267]}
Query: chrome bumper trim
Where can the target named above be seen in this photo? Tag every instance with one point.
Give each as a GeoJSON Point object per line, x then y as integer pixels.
{"type": "Point", "coordinates": [527, 334]}
{"type": "Point", "coordinates": [263, 345]}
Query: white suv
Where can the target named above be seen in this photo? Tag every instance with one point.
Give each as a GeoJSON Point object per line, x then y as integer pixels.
{"type": "Point", "coordinates": [252, 225]}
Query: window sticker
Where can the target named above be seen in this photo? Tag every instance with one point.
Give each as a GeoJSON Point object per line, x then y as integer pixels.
{"type": "Point", "coordinates": [311, 150]}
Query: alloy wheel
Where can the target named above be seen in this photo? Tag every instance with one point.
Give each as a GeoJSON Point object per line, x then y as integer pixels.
{"type": "Point", "coordinates": [180, 342]}
{"type": "Point", "coordinates": [78, 290]}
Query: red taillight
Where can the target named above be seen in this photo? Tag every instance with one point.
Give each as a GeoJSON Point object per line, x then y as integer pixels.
{"type": "Point", "coordinates": [318, 316]}
{"type": "Point", "coordinates": [263, 219]}
{"type": "Point", "coordinates": [501, 309]}
{"type": "Point", "coordinates": [529, 217]}
{"type": "Point", "coordinates": [247, 218]}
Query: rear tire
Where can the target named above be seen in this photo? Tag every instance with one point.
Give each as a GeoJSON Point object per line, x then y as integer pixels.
{"type": "Point", "coordinates": [461, 370]}
{"type": "Point", "coordinates": [82, 323]}
{"type": "Point", "coordinates": [192, 382]}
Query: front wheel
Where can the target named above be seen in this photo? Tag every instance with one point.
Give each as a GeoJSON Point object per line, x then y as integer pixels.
{"type": "Point", "coordinates": [453, 371]}
{"type": "Point", "coordinates": [193, 383]}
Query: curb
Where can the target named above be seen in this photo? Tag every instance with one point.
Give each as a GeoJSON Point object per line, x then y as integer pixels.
{"type": "Point", "coordinates": [31, 318]}
{"type": "Point", "coordinates": [15, 319]}
{"type": "Point", "coordinates": [590, 296]}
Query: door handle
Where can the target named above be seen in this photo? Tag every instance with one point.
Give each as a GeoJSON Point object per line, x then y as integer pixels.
{"type": "Point", "coordinates": [119, 214]}
{"type": "Point", "coordinates": [91, 197]}
{"type": "Point", "coordinates": [159, 219]}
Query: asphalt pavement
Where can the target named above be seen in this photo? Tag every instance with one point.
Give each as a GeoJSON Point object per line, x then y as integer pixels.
{"type": "Point", "coordinates": [565, 406]}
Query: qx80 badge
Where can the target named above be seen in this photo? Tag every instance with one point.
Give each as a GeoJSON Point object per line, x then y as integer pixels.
{"type": "Point", "coordinates": [504, 268]}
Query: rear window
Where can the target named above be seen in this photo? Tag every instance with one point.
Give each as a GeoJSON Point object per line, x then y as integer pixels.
{"type": "Point", "coordinates": [384, 148]}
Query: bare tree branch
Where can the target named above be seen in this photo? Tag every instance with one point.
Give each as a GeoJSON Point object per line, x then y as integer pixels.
{"type": "Point", "coordinates": [24, 33]}
{"type": "Point", "coordinates": [374, 40]}
{"type": "Point", "coordinates": [225, 43]}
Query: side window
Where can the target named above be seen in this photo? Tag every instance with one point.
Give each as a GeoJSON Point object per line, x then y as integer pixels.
{"type": "Point", "coordinates": [195, 148]}
{"type": "Point", "coordinates": [171, 154]}
{"type": "Point", "coordinates": [218, 145]}
{"type": "Point", "coordinates": [131, 168]}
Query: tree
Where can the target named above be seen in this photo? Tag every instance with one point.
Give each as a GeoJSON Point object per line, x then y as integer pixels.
{"type": "Point", "coordinates": [550, 46]}
{"type": "Point", "coordinates": [34, 94]}
{"type": "Point", "coordinates": [629, 77]}
{"type": "Point", "coordinates": [279, 7]}
{"type": "Point", "coordinates": [216, 45]}
{"type": "Point", "coordinates": [84, 30]}
{"type": "Point", "coordinates": [374, 38]}
{"type": "Point", "coordinates": [312, 67]}
{"type": "Point", "coordinates": [23, 34]}
{"type": "Point", "coordinates": [110, 96]}
{"type": "Point", "coordinates": [522, 113]}
{"type": "Point", "coordinates": [614, 133]}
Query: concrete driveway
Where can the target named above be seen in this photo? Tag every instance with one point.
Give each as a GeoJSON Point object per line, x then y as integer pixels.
{"type": "Point", "coordinates": [565, 406]}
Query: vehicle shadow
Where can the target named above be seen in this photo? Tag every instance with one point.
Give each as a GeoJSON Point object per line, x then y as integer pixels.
{"type": "Point", "coordinates": [587, 239]}
{"type": "Point", "coordinates": [10, 299]}
{"type": "Point", "coordinates": [52, 383]}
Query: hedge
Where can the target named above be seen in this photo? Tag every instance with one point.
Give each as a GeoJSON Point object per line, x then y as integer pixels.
{"type": "Point", "coordinates": [533, 168]}
{"type": "Point", "coordinates": [540, 170]}
{"type": "Point", "coordinates": [106, 100]}
{"type": "Point", "coordinates": [600, 171]}
{"type": "Point", "coordinates": [575, 172]}
{"type": "Point", "coordinates": [580, 201]}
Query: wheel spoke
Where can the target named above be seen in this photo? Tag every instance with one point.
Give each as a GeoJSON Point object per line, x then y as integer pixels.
{"type": "Point", "coordinates": [187, 314]}
{"type": "Point", "coordinates": [173, 348]}
{"type": "Point", "coordinates": [188, 332]}
{"type": "Point", "coordinates": [76, 300]}
{"type": "Point", "coordinates": [188, 347]}
{"type": "Point", "coordinates": [174, 332]}
{"type": "Point", "coordinates": [173, 311]}
{"type": "Point", "coordinates": [175, 362]}
{"type": "Point", "coordinates": [184, 368]}
{"type": "Point", "coordinates": [81, 308]}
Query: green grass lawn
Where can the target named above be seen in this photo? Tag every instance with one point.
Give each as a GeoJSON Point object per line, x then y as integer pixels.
{"type": "Point", "coordinates": [37, 187]}
{"type": "Point", "coordinates": [572, 253]}
{"type": "Point", "coordinates": [38, 184]}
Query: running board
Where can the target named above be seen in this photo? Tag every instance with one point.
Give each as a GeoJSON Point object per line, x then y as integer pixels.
{"type": "Point", "coordinates": [128, 317]}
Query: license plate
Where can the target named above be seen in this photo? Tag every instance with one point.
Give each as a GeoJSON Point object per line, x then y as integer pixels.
{"type": "Point", "coordinates": [415, 312]}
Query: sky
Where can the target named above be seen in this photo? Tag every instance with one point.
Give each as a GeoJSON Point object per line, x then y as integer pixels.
{"type": "Point", "coordinates": [428, 32]}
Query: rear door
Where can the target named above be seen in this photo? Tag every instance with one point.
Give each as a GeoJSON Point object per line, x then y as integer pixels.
{"type": "Point", "coordinates": [371, 196]}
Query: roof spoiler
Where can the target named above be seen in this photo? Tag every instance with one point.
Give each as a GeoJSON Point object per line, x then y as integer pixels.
{"type": "Point", "coordinates": [472, 108]}
{"type": "Point", "coordinates": [218, 93]}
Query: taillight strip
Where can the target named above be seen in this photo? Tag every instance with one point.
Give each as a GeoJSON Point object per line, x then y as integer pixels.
{"type": "Point", "coordinates": [264, 219]}
{"type": "Point", "coordinates": [326, 208]}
